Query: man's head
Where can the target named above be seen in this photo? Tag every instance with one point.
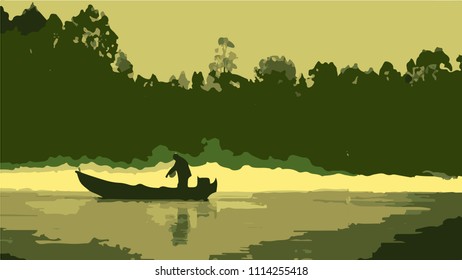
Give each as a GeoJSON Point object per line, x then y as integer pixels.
{"type": "Point", "coordinates": [175, 156]}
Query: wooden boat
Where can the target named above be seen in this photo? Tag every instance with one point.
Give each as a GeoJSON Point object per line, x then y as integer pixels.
{"type": "Point", "coordinates": [113, 190]}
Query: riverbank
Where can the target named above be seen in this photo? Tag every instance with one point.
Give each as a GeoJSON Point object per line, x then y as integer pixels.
{"type": "Point", "coordinates": [246, 179]}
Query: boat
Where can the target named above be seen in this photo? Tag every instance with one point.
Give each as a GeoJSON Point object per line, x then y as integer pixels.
{"type": "Point", "coordinates": [112, 190]}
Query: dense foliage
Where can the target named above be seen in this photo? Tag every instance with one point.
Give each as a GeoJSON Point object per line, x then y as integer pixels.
{"type": "Point", "coordinates": [68, 90]}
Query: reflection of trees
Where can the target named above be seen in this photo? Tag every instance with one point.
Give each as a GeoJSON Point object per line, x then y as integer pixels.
{"type": "Point", "coordinates": [421, 234]}
{"type": "Point", "coordinates": [24, 244]}
{"type": "Point", "coordinates": [429, 243]}
{"type": "Point", "coordinates": [82, 223]}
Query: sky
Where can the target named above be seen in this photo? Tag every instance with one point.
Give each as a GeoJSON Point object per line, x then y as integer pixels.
{"type": "Point", "coordinates": [166, 38]}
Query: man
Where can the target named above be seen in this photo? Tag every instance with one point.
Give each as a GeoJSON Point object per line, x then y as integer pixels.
{"type": "Point", "coordinates": [181, 167]}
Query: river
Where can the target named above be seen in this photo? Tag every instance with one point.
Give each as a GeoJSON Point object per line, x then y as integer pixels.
{"type": "Point", "coordinates": [292, 225]}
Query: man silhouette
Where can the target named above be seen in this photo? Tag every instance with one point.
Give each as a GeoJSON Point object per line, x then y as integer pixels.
{"type": "Point", "coordinates": [181, 167]}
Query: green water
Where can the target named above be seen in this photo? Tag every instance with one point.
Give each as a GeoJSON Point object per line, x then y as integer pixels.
{"type": "Point", "coordinates": [313, 225]}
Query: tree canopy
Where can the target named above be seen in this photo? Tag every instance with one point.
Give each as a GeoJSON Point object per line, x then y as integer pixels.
{"type": "Point", "coordinates": [68, 90]}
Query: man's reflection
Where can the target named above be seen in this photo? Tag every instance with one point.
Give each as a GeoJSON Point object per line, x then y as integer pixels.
{"type": "Point", "coordinates": [180, 229]}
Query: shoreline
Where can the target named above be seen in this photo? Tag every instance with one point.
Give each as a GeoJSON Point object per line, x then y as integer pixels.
{"type": "Point", "coordinates": [247, 179]}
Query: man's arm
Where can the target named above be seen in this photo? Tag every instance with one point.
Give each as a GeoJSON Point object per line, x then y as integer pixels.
{"type": "Point", "coordinates": [170, 171]}
{"type": "Point", "coordinates": [174, 168]}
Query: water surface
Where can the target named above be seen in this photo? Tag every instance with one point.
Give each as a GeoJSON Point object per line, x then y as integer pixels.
{"type": "Point", "coordinates": [312, 225]}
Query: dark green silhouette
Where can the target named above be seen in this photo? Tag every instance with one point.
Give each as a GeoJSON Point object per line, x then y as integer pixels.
{"type": "Point", "coordinates": [143, 82]}
{"type": "Point", "coordinates": [427, 66]}
{"type": "Point", "coordinates": [361, 122]}
{"type": "Point", "coordinates": [429, 243]}
{"type": "Point", "coordinates": [5, 22]}
{"type": "Point", "coordinates": [197, 81]}
{"type": "Point", "coordinates": [113, 190]}
{"type": "Point", "coordinates": [230, 82]}
{"type": "Point", "coordinates": [9, 257]}
{"type": "Point", "coordinates": [323, 75]}
{"type": "Point", "coordinates": [30, 21]}
{"type": "Point", "coordinates": [92, 29]}
{"type": "Point", "coordinates": [302, 86]}
{"type": "Point", "coordinates": [181, 168]}
{"type": "Point", "coordinates": [389, 73]}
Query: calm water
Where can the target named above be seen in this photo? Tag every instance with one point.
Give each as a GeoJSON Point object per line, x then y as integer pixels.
{"type": "Point", "coordinates": [314, 225]}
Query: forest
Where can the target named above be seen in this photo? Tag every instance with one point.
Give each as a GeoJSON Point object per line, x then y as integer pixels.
{"type": "Point", "coordinates": [67, 90]}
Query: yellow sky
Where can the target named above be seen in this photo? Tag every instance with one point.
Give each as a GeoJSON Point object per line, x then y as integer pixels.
{"type": "Point", "coordinates": [166, 38]}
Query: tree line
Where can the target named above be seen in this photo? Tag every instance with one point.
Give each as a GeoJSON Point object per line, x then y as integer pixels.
{"type": "Point", "coordinates": [67, 89]}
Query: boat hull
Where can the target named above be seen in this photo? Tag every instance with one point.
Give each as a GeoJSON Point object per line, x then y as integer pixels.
{"type": "Point", "coordinates": [113, 190]}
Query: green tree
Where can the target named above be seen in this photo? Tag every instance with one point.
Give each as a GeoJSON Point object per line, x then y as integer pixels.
{"type": "Point", "coordinates": [354, 76]}
{"type": "Point", "coordinates": [122, 64]}
{"type": "Point", "coordinates": [197, 81]}
{"type": "Point", "coordinates": [143, 82]}
{"type": "Point", "coordinates": [302, 86]}
{"type": "Point", "coordinates": [389, 73]}
{"type": "Point", "coordinates": [5, 22]}
{"type": "Point", "coordinates": [224, 61]}
{"type": "Point", "coordinates": [173, 81]}
{"type": "Point", "coordinates": [183, 81]}
{"type": "Point", "coordinates": [350, 75]}
{"type": "Point", "coordinates": [30, 21]}
{"type": "Point", "coordinates": [277, 69]}
{"type": "Point", "coordinates": [428, 66]}
{"type": "Point", "coordinates": [92, 29]}
{"type": "Point", "coordinates": [323, 74]}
